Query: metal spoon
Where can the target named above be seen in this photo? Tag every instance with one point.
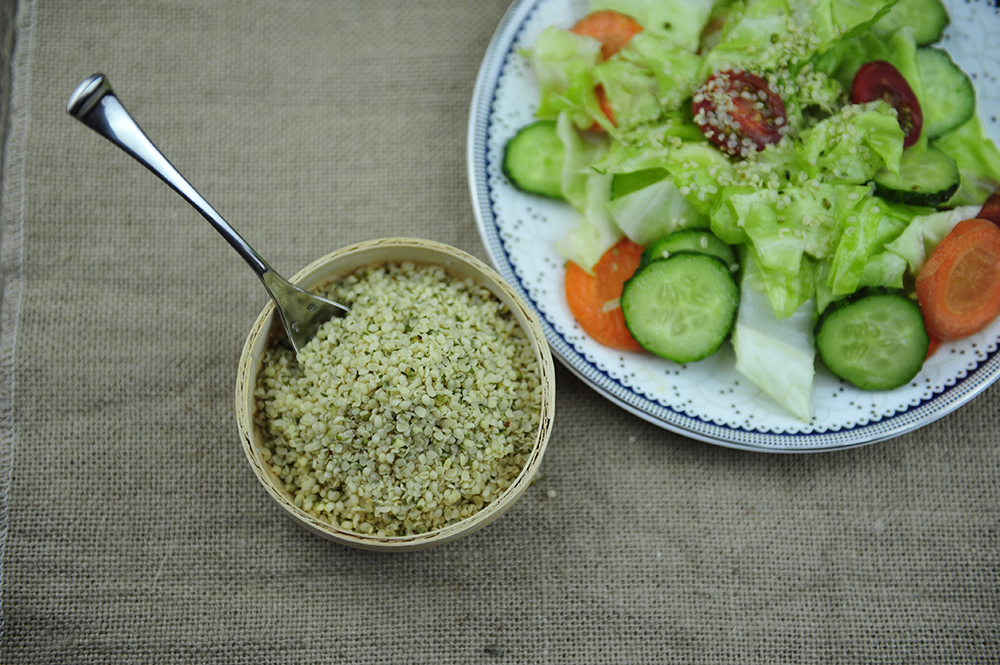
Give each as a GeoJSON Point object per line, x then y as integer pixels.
{"type": "Point", "coordinates": [94, 104]}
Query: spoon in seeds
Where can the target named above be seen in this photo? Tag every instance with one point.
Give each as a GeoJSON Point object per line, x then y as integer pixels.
{"type": "Point", "coordinates": [94, 104]}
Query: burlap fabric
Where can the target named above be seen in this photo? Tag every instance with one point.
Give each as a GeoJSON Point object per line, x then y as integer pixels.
{"type": "Point", "coordinates": [135, 530]}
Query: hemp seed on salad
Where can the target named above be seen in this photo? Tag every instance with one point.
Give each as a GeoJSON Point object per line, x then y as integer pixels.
{"type": "Point", "coordinates": [414, 411]}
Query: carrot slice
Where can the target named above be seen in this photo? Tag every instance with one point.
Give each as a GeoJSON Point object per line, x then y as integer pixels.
{"type": "Point", "coordinates": [934, 345]}
{"type": "Point", "coordinates": [602, 99]}
{"type": "Point", "coordinates": [594, 299]}
{"type": "Point", "coordinates": [613, 29]}
{"type": "Point", "coordinates": [959, 286]}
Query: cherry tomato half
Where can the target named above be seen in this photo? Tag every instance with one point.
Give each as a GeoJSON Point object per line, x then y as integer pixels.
{"type": "Point", "coordinates": [880, 80]}
{"type": "Point", "coordinates": [739, 112]}
{"type": "Point", "coordinates": [991, 209]}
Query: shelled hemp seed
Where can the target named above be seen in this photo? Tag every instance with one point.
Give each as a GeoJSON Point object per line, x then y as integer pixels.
{"type": "Point", "coordinates": [412, 412]}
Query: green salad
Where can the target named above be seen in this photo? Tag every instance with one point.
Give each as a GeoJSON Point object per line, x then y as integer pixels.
{"type": "Point", "coordinates": [829, 143]}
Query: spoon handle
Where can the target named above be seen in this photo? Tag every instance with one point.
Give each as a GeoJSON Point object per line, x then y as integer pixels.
{"type": "Point", "coordinates": [94, 104]}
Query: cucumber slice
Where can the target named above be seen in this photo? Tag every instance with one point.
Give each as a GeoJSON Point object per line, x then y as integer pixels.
{"type": "Point", "coordinates": [690, 240]}
{"type": "Point", "coordinates": [875, 339]}
{"type": "Point", "coordinates": [926, 178]}
{"type": "Point", "coordinates": [681, 308]}
{"type": "Point", "coordinates": [928, 18]}
{"type": "Point", "coordinates": [533, 159]}
{"type": "Point", "coordinates": [949, 99]}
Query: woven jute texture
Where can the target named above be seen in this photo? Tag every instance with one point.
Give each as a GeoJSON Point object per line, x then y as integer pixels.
{"type": "Point", "coordinates": [134, 530]}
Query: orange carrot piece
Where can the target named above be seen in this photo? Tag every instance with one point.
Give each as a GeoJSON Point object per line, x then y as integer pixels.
{"type": "Point", "coordinates": [593, 299]}
{"type": "Point", "coordinates": [959, 285]}
{"type": "Point", "coordinates": [602, 99]}
{"type": "Point", "coordinates": [613, 29]}
{"type": "Point", "coordinates": [934, 345]}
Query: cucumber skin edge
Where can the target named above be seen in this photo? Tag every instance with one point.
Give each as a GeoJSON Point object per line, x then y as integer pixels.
{"type": "Point", "coordinates": [925, 199]}
{"type": "Point", "coordinates": [513, 178]}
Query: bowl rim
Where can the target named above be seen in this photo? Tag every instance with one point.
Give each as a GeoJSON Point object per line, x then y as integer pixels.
{"type": "Point", "coordinates": [371, 252]}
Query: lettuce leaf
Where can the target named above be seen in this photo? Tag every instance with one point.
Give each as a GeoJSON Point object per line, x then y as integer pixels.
{"type": "Point", "coordinates": [596, 232]}
{"type": "Point", "coordinates": [752, 37]}
{"type": "Point", "coordinates": [646, 146]}
{"type": "Point", "coordinates": [632, 90]}
{"type": "Point", "coordinates": [586, 243]}
{"type": "Point", "coordinates": [853, 16]}
{"type": "Point", "coordinates": [580, 153]}
{"type": "Point", "coordinates": [564, 63]}
{"type": "Point", "coordinates": [654, 211]}
{"type": "Point", "coordinates": [858, 235]}
{"type": "Point", "coordinates": [853, 145]}
{"type": "Point", "coordinates": [978, 161]}
{"type": "Point", "coordinates": [831, 21]}
{"type": "Point", "coordinates": [885, 268]}
{"type": "Point", "coordinates": [924, 232]}
{"type": "Point", "coordinates": [770, 35]}
{"type": "Point", "coordinates": [847, 56]}
{"type": "Point", "coordinates": [725, 218]}
{"type": "Point", "coordinates": [775, 354]}
{"type": "Point", "coordinates": [680, 21]}
{"type": "Point", "coordinates": [843, 60]}
{"type": "Point", "coordinates": [700, 172]}
{"type": "Point", "coordinates": [588, 191]}
{"type": "Point", "coordinates": [678, 71]}
{"type": "Point", "coordinates": [785, 224]}
{"type": "Point", "coordinates": [786, 291]}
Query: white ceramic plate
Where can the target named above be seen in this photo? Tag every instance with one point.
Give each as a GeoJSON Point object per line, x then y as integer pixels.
{"type": "Point", "coordinates": [707, 400]}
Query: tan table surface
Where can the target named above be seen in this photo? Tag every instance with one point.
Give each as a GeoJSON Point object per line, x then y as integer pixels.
{"type": "Point", "coordinates": [134, 531]}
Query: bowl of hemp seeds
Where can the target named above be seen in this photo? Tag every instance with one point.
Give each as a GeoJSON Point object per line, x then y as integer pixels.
{"type": "Point", "coordinates": [418, 418]}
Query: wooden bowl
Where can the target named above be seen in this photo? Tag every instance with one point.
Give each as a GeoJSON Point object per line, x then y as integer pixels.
{"type": "Point", "coordinates": [343, 262]}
